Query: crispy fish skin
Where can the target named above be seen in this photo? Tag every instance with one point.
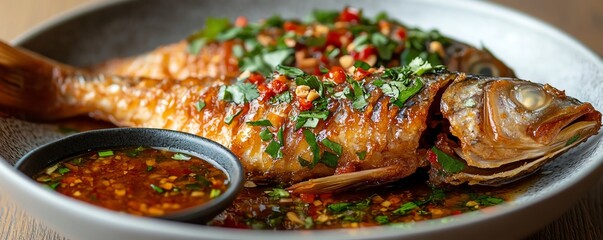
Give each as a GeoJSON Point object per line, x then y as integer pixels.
{"type": "Point", "coordinates": [389, 135]}
{"type": "Point", "coordinates": [476, 118]}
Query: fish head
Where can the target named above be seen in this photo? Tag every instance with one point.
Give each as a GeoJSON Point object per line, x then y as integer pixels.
{"type": "Point", "coordinates": [507, 127]}
{"type": "Point", "coordinates": [464, 58]}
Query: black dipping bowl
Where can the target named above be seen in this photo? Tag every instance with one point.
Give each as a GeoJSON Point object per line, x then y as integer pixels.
{"type": "Point", "coordinates": [42, 157]}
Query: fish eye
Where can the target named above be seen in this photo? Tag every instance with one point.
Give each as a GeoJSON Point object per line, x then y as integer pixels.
{"type": "Point", "coordinates": [485, 68]}
{"type": "Point", "coordinates": [531, 97]}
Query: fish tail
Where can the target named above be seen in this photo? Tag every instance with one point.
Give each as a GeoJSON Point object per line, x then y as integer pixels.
{"type": "Point", "coordinates": [30, 85]}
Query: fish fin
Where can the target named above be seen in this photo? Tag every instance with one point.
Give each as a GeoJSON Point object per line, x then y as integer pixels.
{"type": "Point", "coordinates": [28, 85]}
{"type": "Point", "coordinates": [340, 182]}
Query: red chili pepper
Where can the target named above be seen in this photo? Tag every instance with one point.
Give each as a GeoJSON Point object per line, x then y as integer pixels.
{"type": "Point", "coordinates": [334, 37]}
{"type": "Point", "coordinates": [325, 196]}
{"type": "Point", "coordinates": [433, 159]}
{"type": "Point", "coordinates": [307, 197]}
{"type": "Point", "coordinates": [256, 78]}
{"type": "Point", "coordinates": [337, 74]}
{"type": "Point", "coordinates": [401, 33]}
{"type": "Point", "coordinates": [304, 104]}
{"type": "Point", "coordinates": [351, 15]}
{"type": "Point", "coordinates": [279, 85]}
{"type": "Point", "coordinates": [364, 54]}
{"type": "Point", "coordinates": [265, 92]}
{"type": "Point", "coordinates": [294, 27]}
{"type": "Point", "coordinates": [360, 74]}
{"type": "Point", "coordinates": [456, 212]}
{"type": "Point", "coordinates": [241, 21]}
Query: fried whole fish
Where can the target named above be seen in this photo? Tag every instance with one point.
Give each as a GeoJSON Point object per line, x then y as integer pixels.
{"type": "Point", "coordinates": [326, 134]}
{"type": "Point", "coordinates": [332, 38]}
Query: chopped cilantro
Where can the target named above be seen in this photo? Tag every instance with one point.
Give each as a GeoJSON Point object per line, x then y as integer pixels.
{"type": "Point", "coordinates": [449, 164]}
{"type": "Point", "coordinates": [149, 168]}
{"type": "Point", "coordinates": [278, 193]}
{"type": "Point", "coordinates": [315, 114]}
{"type": "Point", "coordinates": [359, 96]}
{"type": "Point", "coordinates": [362, 64]}
{"type": "Point", "coordinates": [382, 219]}
{"type": "Point", "coordinates": [284, 97]}
{"type": "Point", "coordinates": [325, 16]}
{"type": "Point", "coordinates": [239, 93]}
{"type": "Point", "coordinates": [53, 185]}
{"type": "Point", "coordinates": [485, 200]}
{"type": "Point", "coordinates": [291, 72]}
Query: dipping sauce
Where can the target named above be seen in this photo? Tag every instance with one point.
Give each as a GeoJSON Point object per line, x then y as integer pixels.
{"type": "Point", "coordinates": [140, 180]}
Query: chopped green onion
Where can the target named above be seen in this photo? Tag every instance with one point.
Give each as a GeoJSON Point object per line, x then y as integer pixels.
{"type": "Point", "coordinates": [266, 135]}
{"type": "Point", "coordinates": [335, 147]}
{"type": "Point", "coordinates": [200, 105]}
{"type": "Point", "coordinates": [361, 155]}
{"type": "Point", "coordinates": [229, 119]}
{"type": "Point", "coordinates": [405, 208]}
{"type": "Point", "coordinates": [54, 185]}
{"type": "Point", "coordinates": [274, 150]}
{"type": "Point", "coordinates": [311, 140]}
{"type": "Point", "coordinates": [107, 153]}
{"type": "Point", "coordinates": [64, 170]}
{"type": "Point", "coordinates": [329, 159]}
{"type": "Point", "coordinates": [264, 122]}
{"type": "Point", "coordinates": [181, 156]}
{"type": "Point", "coordinates": [214, 193]}
{"type": "Point", "coordinates": [193, 186]}
{"type": "Point", "coordinates": [362, 64]}
{"type": "Point", "coordinates": [278, 193]}
{"type": "Point", "coordinates": [291, 72]}
{"type": "Point", "coordinates": [149, 168]}
{"type": "Point", "coordinates": [382, 219]}
{"type": "Point", "coordinates": [157, 189]}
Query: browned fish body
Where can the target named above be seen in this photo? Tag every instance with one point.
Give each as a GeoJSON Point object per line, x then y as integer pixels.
{"type": "Point", "coordinates": [376, 127]}
{"type": "Point", "coordinates": [306, 45]}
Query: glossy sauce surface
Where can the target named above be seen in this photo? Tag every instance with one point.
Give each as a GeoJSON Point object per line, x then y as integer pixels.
{"type": "Point", "coordinates": [139, 180]}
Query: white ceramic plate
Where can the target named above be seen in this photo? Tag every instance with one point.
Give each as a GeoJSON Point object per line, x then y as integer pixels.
{"type": "Point", "coordinates": [535, 50]}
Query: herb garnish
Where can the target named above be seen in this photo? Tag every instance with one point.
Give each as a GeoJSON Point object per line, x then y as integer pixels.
{"type": "Point", "coordinates": [405, 208]}
{"type": "Point", "coordinates": [240, 92]}
{"type": "Point", "coordinates": [263, 122]}
{"type": "Point", "coordinates": [228, 119]}
{"type": "Point", "coordinates": [200, 105]}
{"type": "Point", "coordinates": [274, 148]}
{"type": "Point", "coordinates": [278, 193]}
{"type": "Point", "coordinates": [181, 157]}
{"type": "Point", "coordinates": [157, 189]}
{"type": "Point", "coordinates": [107, 153]}
{"type": "Point", "coordinates": [449, 164]}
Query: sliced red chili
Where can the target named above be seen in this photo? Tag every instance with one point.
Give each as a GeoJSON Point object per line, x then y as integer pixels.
{"type": "Point", "coordinates": [256, 78]}
{"type": "Point", "coordinates": [304, 104]}
{"type": "Point", "coordinates": [360, 74]}
{"type": "Point", "coordinates": [337, 74]}
{"type": "Point", "coordinates": [351, 15]}
{"type": "Point", "coordinates": [279, 84]}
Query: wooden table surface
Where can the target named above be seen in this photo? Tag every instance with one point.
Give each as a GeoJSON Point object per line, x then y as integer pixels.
{"type": "Point", "coordinates": [582, 19]}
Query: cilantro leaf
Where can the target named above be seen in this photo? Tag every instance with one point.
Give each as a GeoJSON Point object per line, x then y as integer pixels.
{"type": "Point", "coordinates": [449, 164]}
{"type": "Point", "coordinates": [361, 155]}
{"type": "Point", "coordinates": [278, 193]}
{"type": "Point", "coordinates": [266, 135]}
{"type": "Point", "coordinates": [311, 140]}
{"type": "Point", "coordinates": [274, 150]}
{"type": "Point", "coordinates": [291, 72]}
{"type": "Point", "coordinates": [200, 105]}
{"type": "Point", "coordinates": [229, 118]}
{"type": "Point", "coordinates": [181, 157]}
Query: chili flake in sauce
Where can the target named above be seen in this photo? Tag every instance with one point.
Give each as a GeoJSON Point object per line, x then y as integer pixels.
{"type": "Point", "coordinates": [140, 181]}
